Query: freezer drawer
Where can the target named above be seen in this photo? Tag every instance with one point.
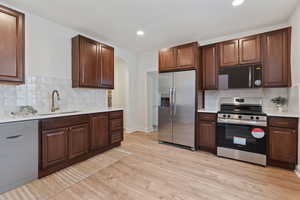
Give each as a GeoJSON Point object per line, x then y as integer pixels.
{"type": "Point", "coordinates": [18, 154]}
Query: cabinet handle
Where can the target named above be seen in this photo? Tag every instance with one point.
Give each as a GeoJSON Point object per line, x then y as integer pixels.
{"type": "Point", "coordinates": [283, 132]}
{"type": "Point", "coordinates": [13, 137]}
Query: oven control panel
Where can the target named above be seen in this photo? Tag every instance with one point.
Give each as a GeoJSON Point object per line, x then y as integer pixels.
{"type": "Point", "coordinates": [254, 120]}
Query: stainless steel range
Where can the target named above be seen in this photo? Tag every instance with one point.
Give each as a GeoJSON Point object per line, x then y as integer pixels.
{"type": "Point", "coordinates": [242, 130]}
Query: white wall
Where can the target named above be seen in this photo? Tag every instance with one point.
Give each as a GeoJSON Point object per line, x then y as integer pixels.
{"type": "Point", "coordinates": [48, 59]}
{"type": "Point", "coordinates": [295, 22]}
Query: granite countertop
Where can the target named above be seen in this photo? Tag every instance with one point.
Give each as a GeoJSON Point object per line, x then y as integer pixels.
{"type": "Point", "coordinates": [205, 110]}
{"type": "Point", "coordinates": [7, 118]}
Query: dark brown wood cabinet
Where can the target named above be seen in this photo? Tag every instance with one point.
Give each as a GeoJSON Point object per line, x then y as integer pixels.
{"type": "Point", "coordinates": [167, 60]}
{"type": "Point", "coordinates": [183, 57]}
{"type": "Point", "coordinates": [207, 132]}
{"type": "Point", "coordinates": [12, 59]}
{"type": "Point", "coordinates": [92, 64]}
{"type": "Point", "coordinates": [283, 142]}
{"type": "Point", "coordinates": [250, 50]}
{"type": "Point", "coordinates": [78, 140]}
{"type": "Point", "coordinates": [55, 147]}
{"type": "Point", "coordinates": [229, 53]}
{"type": "Point", "coordinates": [99, 131]}
{"type": "Point", "coordinates": [209, 67]}
{"type": "Point", "coordinates": [276, 58]}
{"type": "Point", "coordinates": [106, 67]}
{"type": "Point", "coordinates": [68, 140]}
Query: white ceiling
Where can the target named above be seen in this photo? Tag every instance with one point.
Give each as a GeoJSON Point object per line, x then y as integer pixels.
{"type": "Point", "coordinates": [165, 22]}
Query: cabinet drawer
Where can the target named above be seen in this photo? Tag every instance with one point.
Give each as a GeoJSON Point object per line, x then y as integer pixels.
{"type": "Point", "coordinates": [63, 122]}
{"type": "Point", "coordinates": [116, 124]}
{"type": "Point", "coordinates": [283, 122]}
{"type": "Point", "coordinates": [116, 136]}
{"type": "Point", "coordinates": [207, 117]}
{"type": "Point", "coordinates": [116, 115]}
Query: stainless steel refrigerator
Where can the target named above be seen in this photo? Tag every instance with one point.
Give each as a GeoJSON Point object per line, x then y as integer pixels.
{"type": "Point", "coordinates": [177, 108]}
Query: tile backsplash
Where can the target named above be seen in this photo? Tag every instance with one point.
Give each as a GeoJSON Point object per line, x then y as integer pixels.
{"type": "Point", "coordinates": [37, 93]}
{"type": "Point", "coordinates": [212, 98]}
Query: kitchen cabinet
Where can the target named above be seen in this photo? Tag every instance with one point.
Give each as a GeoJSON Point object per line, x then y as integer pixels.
{"type": "Point", "coordinates": [250, 50]}
{"type": "Point", "coordinates": [276, 58]}
{"type": "Point", "coordinates": [12, 31]}
{"type": "Point", "coordinates": [116, 126]}
{"type": "Point", "coordinates": [183, 57]}
{"type": "Point", "coordinates": [283, 142]}
{"type": "Point", "coordinates": [78, 140]}
{"type": "Point", "coordinates": [107, 67]}
{"type": "Point", "coordinates": [167, 60]}
{"type": "Point", "coordinates": [99, 131]}
{"type": "Point", "coordinates": [209, 67]}
{"type": "Point", "coordinates": [207, 132]}
{"type": "Point", "coordinates": [68, 140]}
{"type": "Point", "coordinates": [229, 53]}
{"type": "Point", "coordinates": [55, 146]}
{"type": "Point", "coordinates": [92, 64]}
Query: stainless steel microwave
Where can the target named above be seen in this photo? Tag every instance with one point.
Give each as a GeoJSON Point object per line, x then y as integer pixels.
{"type": "Point", "coordinates": [240, 77]}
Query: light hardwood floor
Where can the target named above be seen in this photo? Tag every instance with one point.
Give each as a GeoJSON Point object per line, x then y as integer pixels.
{"type": "Point", "coordinates": [142, 169]}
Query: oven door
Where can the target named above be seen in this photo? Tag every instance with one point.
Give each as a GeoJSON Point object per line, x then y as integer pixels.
{"type": "Point", "coordinates": [242, 137]}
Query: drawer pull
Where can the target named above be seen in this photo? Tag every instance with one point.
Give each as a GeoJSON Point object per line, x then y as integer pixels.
{"type": "Point", "coordinates": [13, 137]}
{"type": "Point", "coordinates": [283, 132]}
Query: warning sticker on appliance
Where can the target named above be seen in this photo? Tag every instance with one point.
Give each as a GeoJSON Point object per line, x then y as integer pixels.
{"type": "Point", "coordinates": [258, 133]}
{"type": "Point", "coordinates": [239, 140]}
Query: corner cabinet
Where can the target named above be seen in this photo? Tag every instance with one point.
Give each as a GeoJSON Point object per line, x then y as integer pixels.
{"type": "Point", "coordinates": [12, 31]}
{"type": "Point", "coordinates": [179, 58]}
{"type": "Point", "coordinates": [92, 64]}
{"type": "Point", "coordinates": [209, 67]}
{"type": "Point", "coordinates": [276, 58]}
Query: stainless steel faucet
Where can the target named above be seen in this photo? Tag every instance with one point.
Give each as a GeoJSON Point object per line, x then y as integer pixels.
{"type": "Point", "coordinates": [53, 107]}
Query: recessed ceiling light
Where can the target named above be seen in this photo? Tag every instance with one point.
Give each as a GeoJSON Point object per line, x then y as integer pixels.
{"type": "Point", "coordinates": [237, 2]}
{"type": "Point", "coordinates": [140, 33]}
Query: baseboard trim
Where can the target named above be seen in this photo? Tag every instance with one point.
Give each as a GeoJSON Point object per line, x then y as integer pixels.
{"type": "Point", "coordinates": [298, 171]}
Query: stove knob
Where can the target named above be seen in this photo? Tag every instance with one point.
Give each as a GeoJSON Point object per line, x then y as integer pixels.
{"type": "Point", "coordinates": [224, 116]}
{"type": "Point", "coordinates": [228, 116]}
{"type": "Point", "coordinates": [252, 118]}
{"type": "Point", "coordinates": [257, 118]}
{"type": "Point", "coordinates": [240, 117]}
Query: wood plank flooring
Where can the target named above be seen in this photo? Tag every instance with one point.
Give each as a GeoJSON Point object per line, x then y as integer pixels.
{"type": "Point", "coordinates": [142, 169]}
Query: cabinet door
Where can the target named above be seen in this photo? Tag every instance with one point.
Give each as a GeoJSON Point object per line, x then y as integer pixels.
{"type": "Point", "coordinates": [207, 135]}
{"type": "Point", "coordinates": [249, 50]}
{"type": "Point", "coordinates": [167, 60]}
{"type": "Point", "coordinates": [229, 53]}
{"type": "Point", "coordinates": [186, 56]}
{"type": "Point", "coordinates": [89, 69]}
{"type": "Point", "coordinates": [283, 144]}
{"type": "Point", "coordinates": [107, 67]}
{"type": "Point", "coordinates": [210, 67]}
{"type": "Point", "coordinates": [78, 140]}
{"type": "Point", "coordinates": [276, 59]}
{"type": "Point", "coordinates": [99, 131]}
{"type": "Point", "coordinates": [12, 45]}
{"type": "Point", "coordinates": [54, 147]}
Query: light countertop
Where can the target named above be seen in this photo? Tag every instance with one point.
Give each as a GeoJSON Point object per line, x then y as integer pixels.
{"type": "Point", "coordinates": [205, 110]}
{"type": "Point", "coordinates": [8, 119]}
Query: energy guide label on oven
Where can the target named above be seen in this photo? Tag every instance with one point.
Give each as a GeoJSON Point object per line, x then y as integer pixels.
{"type": "Point", "coordinates": [239, 140]}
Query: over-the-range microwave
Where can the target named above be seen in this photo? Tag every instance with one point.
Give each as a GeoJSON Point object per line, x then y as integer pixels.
{"type": "Point", "coordinates": [240, 77]}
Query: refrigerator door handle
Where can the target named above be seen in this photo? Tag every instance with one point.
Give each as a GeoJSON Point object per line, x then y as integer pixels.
{"type": "Point", "coordinates": [174, 101]}
{"type": "Point", "coordinates": [171, 101]}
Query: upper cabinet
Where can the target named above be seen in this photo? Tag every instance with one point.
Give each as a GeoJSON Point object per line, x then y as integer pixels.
{"type": "Point", "coordinates": [92, 64]}
{"type": "Point", "coordinates": [249, 50]}
{"type": "Point", "coordinates": [240, 52]}
{"type": "Point", "coordinates": [12, 46]}
{"type": "Point", "coordinates": [183, 57]}
{"type": "Point", "coordinates": [209, 67]}
{"type": "Point", "coordinates": [229, 53]}
{"type": "Point", "coordinates": [276, 58]}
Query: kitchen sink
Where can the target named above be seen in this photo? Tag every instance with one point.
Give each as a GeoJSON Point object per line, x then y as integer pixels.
{"type": "Point", "coordinates": [58, 113]}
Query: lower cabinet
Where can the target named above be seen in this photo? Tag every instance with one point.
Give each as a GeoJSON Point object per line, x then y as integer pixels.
{"type": "Point", "coordinates": [68, 140]}
{"type": "Point", "coordinates": [99, 131]}
{"type": "Point", "coordinates": [78, 140]}
{"type": "Point", "coordinates": [283, 142]}
{"type": "Point", "coordinates": [207, 132]}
